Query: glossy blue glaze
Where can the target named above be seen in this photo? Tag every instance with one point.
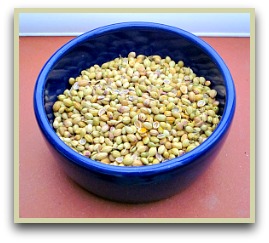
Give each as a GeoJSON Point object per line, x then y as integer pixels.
{"type": "Point", "coordinates": [145, 183]}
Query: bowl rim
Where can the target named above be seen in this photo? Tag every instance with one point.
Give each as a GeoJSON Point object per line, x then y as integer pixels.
{"type": "Point", "coordinates": [168, 165]}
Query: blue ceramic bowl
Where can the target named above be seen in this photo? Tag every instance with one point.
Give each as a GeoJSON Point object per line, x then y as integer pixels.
{"type": "Point", "coordinates": [145, 183]}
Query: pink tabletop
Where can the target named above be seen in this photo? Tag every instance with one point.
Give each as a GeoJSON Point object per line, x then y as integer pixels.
{"type": "Point", "coordinates": [45, 191]}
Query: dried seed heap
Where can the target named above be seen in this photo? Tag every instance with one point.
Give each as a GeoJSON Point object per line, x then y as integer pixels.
{"type": "Point", "coordinates": [134, 111]}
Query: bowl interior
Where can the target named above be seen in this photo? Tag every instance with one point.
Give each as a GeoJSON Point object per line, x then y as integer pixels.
{"type": "Point", "coordinates": [105, 44]}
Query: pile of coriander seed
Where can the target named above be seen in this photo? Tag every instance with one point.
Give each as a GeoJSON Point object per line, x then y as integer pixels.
{"type": "Point", "coordinates": [136, 110]}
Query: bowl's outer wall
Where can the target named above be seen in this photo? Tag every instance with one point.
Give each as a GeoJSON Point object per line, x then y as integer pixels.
{"type": "Point", "coordinates": [136, 188]}
{"type": "Point", "coordinates": [102, 47]}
